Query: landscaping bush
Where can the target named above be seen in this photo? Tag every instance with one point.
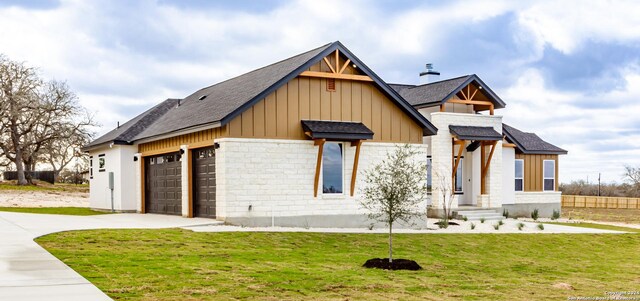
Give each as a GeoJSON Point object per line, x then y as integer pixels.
{"type": "Point", "coordinates": [534, 214]}
{"type": "Point", "coordinates": [541, 226]}
{"type": "Point", "coordinates": [556, 214]}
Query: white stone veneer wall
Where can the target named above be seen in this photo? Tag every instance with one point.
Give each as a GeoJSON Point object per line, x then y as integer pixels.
{"type": "Point", "coordinates": [538, 197]}
{"type": "Point", "coordinates": [441, 154]}
{"type": "Point", "coordinates": [276, 177]}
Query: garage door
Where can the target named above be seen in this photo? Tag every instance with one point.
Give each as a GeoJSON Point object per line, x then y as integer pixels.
{"type": "Point", "coordinates": [204, 188]}
{"type": "Point", "coordinates": [163, 184]}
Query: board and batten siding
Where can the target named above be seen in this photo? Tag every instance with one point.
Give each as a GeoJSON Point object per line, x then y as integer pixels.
{"type": "Point", "coordinates": [533, 170]}
{"type": "Point", "coordinates": [278, 115]}
{"type": "Point", "coordinates": [201, 138]}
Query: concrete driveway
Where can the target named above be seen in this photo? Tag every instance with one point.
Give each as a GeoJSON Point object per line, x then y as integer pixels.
{"type": "Point", "coordinates": [29, 272]}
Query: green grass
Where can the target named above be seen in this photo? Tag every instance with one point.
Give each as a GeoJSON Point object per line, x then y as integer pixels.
{"type": "Point", "coordinates": [5, 186]}
{"type": "Point", "coordinates": [177, 264]}
{"type": "Point", "coordinates": [54, 210]}
{"type": "Point", "coordinates": [44, 186]}
{"type": "Point", "coordinates": [597, 226]}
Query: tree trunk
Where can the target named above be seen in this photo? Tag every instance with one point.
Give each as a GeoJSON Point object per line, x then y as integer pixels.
{"type": "Point", "coordinates": [20, 168]}
{"type": "Point", "coordinates": [390, 244]}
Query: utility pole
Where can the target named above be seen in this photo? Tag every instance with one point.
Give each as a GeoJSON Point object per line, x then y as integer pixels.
{"type": "Point", "coordinates": [598, 184]}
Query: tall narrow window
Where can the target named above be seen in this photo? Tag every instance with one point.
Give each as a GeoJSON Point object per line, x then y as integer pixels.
{"type": "Point", "coordinates": [332, 170]}
{"type": "Point", "coordinates": [519, 175]}
{"type": "Point", "coordinates": [90, 167]}
{"type": "Point", "coordinates": [429, 174]}
{"type": "Point", "coordinates": [549, 175]}
{"type": "Point", "coordinates": [459, 177]}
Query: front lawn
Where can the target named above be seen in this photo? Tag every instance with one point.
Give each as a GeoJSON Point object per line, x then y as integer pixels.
{"type": "Point", "coordinates": [54, 210]}
{"type": "Point", "coordinates": [177, 264]}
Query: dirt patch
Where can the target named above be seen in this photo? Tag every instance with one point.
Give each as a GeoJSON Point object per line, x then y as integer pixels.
{"type": "Point", "coordinates": [564, 286]}
{"type": "Point", "coordinates": [396, 264]}
{"type": "Point", "coordinates": [13, 198]}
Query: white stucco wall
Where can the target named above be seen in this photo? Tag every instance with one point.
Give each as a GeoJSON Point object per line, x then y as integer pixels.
{"type": "Point", "coordinates": [508, 175]}
{"type": "Point", "coordinates": [441, 153]}
{"type": "Point", "coordinates": [276, 178]}
{"type": "Point", "coordinates": [119, 160]}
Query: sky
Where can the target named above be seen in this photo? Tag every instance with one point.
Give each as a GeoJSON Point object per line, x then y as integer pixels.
{"type": "Point", "coordinates": [568, 70]}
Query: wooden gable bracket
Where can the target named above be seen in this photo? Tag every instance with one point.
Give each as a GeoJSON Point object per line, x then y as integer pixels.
{"type": "Point", "coordinates": [484, 164]}
{"type": "Point", "coordinates": [455, 160]}
{"type": "Point", "coordinates": [354, 173]}
{"type": "Point", "coordinates": [468, 100]}
{"type": "Point", "coordinates": [320, 144]}
{"type": "Point", "coordinates": [336, 71]}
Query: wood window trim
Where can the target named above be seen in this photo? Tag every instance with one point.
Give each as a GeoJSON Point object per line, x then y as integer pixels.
{"type": "Point", "coordinates": [354, 173]}
{"type": "Point", "coordinates": [485, 164]}
{"type": "Point", "coordinates": [320, 144]}
{"type": "Point", "coordinates": [455, 160]}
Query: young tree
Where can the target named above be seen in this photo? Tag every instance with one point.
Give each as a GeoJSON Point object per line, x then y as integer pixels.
{"type": "Point", "coordinates": [394, 189]}
{"type": "Point", "coordinates": [446, 194]}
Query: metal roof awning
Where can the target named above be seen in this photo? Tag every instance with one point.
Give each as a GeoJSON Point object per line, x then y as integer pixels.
{"type": "Point", "coordinates": [336, 130]}
{"type": "Point", "coordinates": [478, 133]}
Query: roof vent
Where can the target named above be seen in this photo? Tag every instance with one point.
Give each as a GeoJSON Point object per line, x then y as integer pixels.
{"type": "Point", "coordinates": [202, 97]}
{"type": "Point", "coordinates": [430, 75]}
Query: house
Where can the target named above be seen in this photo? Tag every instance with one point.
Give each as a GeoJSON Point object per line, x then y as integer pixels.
{"type": "Point", "coordinates": [286, 144]}
{"type": "Point", "coordinates": [475, 158]}
{"type": "Point", "coordinates": [281, 144]}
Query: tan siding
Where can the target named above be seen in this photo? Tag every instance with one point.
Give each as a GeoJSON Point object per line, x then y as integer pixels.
{"type": "Point", "coordinates": [270, 110]}
{"type": "Point", "coordinates": [205, 137]}
{"type": "Point", "coordinates": [293, 103]}
{"type": "Point", "coordinates": [533, 171]}
{"type": "Point", "coordinates": [282, 112]}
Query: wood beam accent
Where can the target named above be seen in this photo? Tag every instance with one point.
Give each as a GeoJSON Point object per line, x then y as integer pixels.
{"type": "Point", "coordinates": [485, 166]}
{"type": "Point", "coordinates": [482, 156]}
{"type": "Point", "coordinates": [344, 66]}
{"type": "Point", "coordinates": [337, 60]}
{"type": "Point", "coordinates": [442, 108]}
{"type": "Point", "coordinates": [491, 109]}
{"type": "Point", "coordinates": [460, 143]}
{"type": "Point", "coordinates": [354, 173]}
{"type": "Point", "coordinates": [471, 102]}
{"type": "Point", "coordinates": [142, 185]}
{"type": "Point", "coordinates": [336, 76]}
{"type": "Point", "coordinates": [320, 144]}
{"type": "Point", "coordinates": [329, 64]}
{"type": "Point", "coordinates": [506, 144]}
{"type": "Point", "coordinates": [189, 158]}
{"type": "Point", "coordinates": [474, 94]}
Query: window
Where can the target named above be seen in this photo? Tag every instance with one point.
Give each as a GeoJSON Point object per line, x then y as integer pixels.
{"type": "Point", "coordinates": [91, 167]}
{"type": "Point", "coordinates": [429, 174]}
{"type": "Point", "coordinates": [519, 175]}
{"type": "Point", "coordinates": [549, 175]}
{"type": "Point", "coordinates": [332, 168]}
{"type": "Point", "coordinates": [458, 182]}
{"type": "Point", "coordinates": [101, 163]}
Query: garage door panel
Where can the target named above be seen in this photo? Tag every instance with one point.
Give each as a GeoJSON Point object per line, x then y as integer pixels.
{"type": "Point", "coordinates": [204, 173]}
{"type": "Point", "coordinates": [163, 185]}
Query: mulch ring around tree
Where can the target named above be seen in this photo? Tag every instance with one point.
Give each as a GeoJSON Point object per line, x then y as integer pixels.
{"type": "Point", "coordinates": [397, 264]}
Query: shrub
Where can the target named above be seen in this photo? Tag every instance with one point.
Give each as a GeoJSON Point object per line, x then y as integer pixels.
{"type": "Point", "coordinates": [496, 226]}
{"type": "Point", "coordinates": [556, 214]}
{"type": "Point", "coordinates": [482, 220]}
{"type": "Point", "coordinates": [473, 226]}
{"type": "Point", "coordinates": [500, 223]}
{"type": "Point", "coordinates": [534, 214]}
{"type": "Point", "coordinates": [520, 226]}
{"type": "Point", "coordinates": [541, 226]}
{"type": "Point", "coordinates": [443, 224]}
{"type": "Point", "coordinates": [464, 218]}
{"type": "Point", "coordinates": [505, 213]}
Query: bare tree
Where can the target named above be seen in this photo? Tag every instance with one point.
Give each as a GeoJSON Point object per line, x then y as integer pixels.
{"type": "Point", "coordinates": [18, 116]}
{"type": "Point", "coordinates": [35, 115]}
{"type": "Point", "coordinates": [446, 195]}
{"type": "Point", "coordinates": [394, 189]}
{"type": "Point", "coordinates": [632, 174]}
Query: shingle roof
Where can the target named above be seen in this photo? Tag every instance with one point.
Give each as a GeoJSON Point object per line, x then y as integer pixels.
{"type": "Point", "coordinates": [480, 133]}
{"type": "Point", "coordinates": [129, 130]}
{"type": "Point", "coordinates": [223, 101]}
{"type": "Point", "coordinates": [225, 97]}
{"type": "Point", "coordinates": [530, 143]}
{"type": "Point", "coordinates": [432, 94]}
{"type": "Point", "coordinates": [320, 129]}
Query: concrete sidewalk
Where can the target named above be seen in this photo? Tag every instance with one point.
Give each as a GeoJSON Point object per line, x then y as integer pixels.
{"type": "Point", "coordinates": [29, 272]}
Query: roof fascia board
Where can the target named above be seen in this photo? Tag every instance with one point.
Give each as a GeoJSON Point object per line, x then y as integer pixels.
{"type": "Point", "coordinates": [472, 78]}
